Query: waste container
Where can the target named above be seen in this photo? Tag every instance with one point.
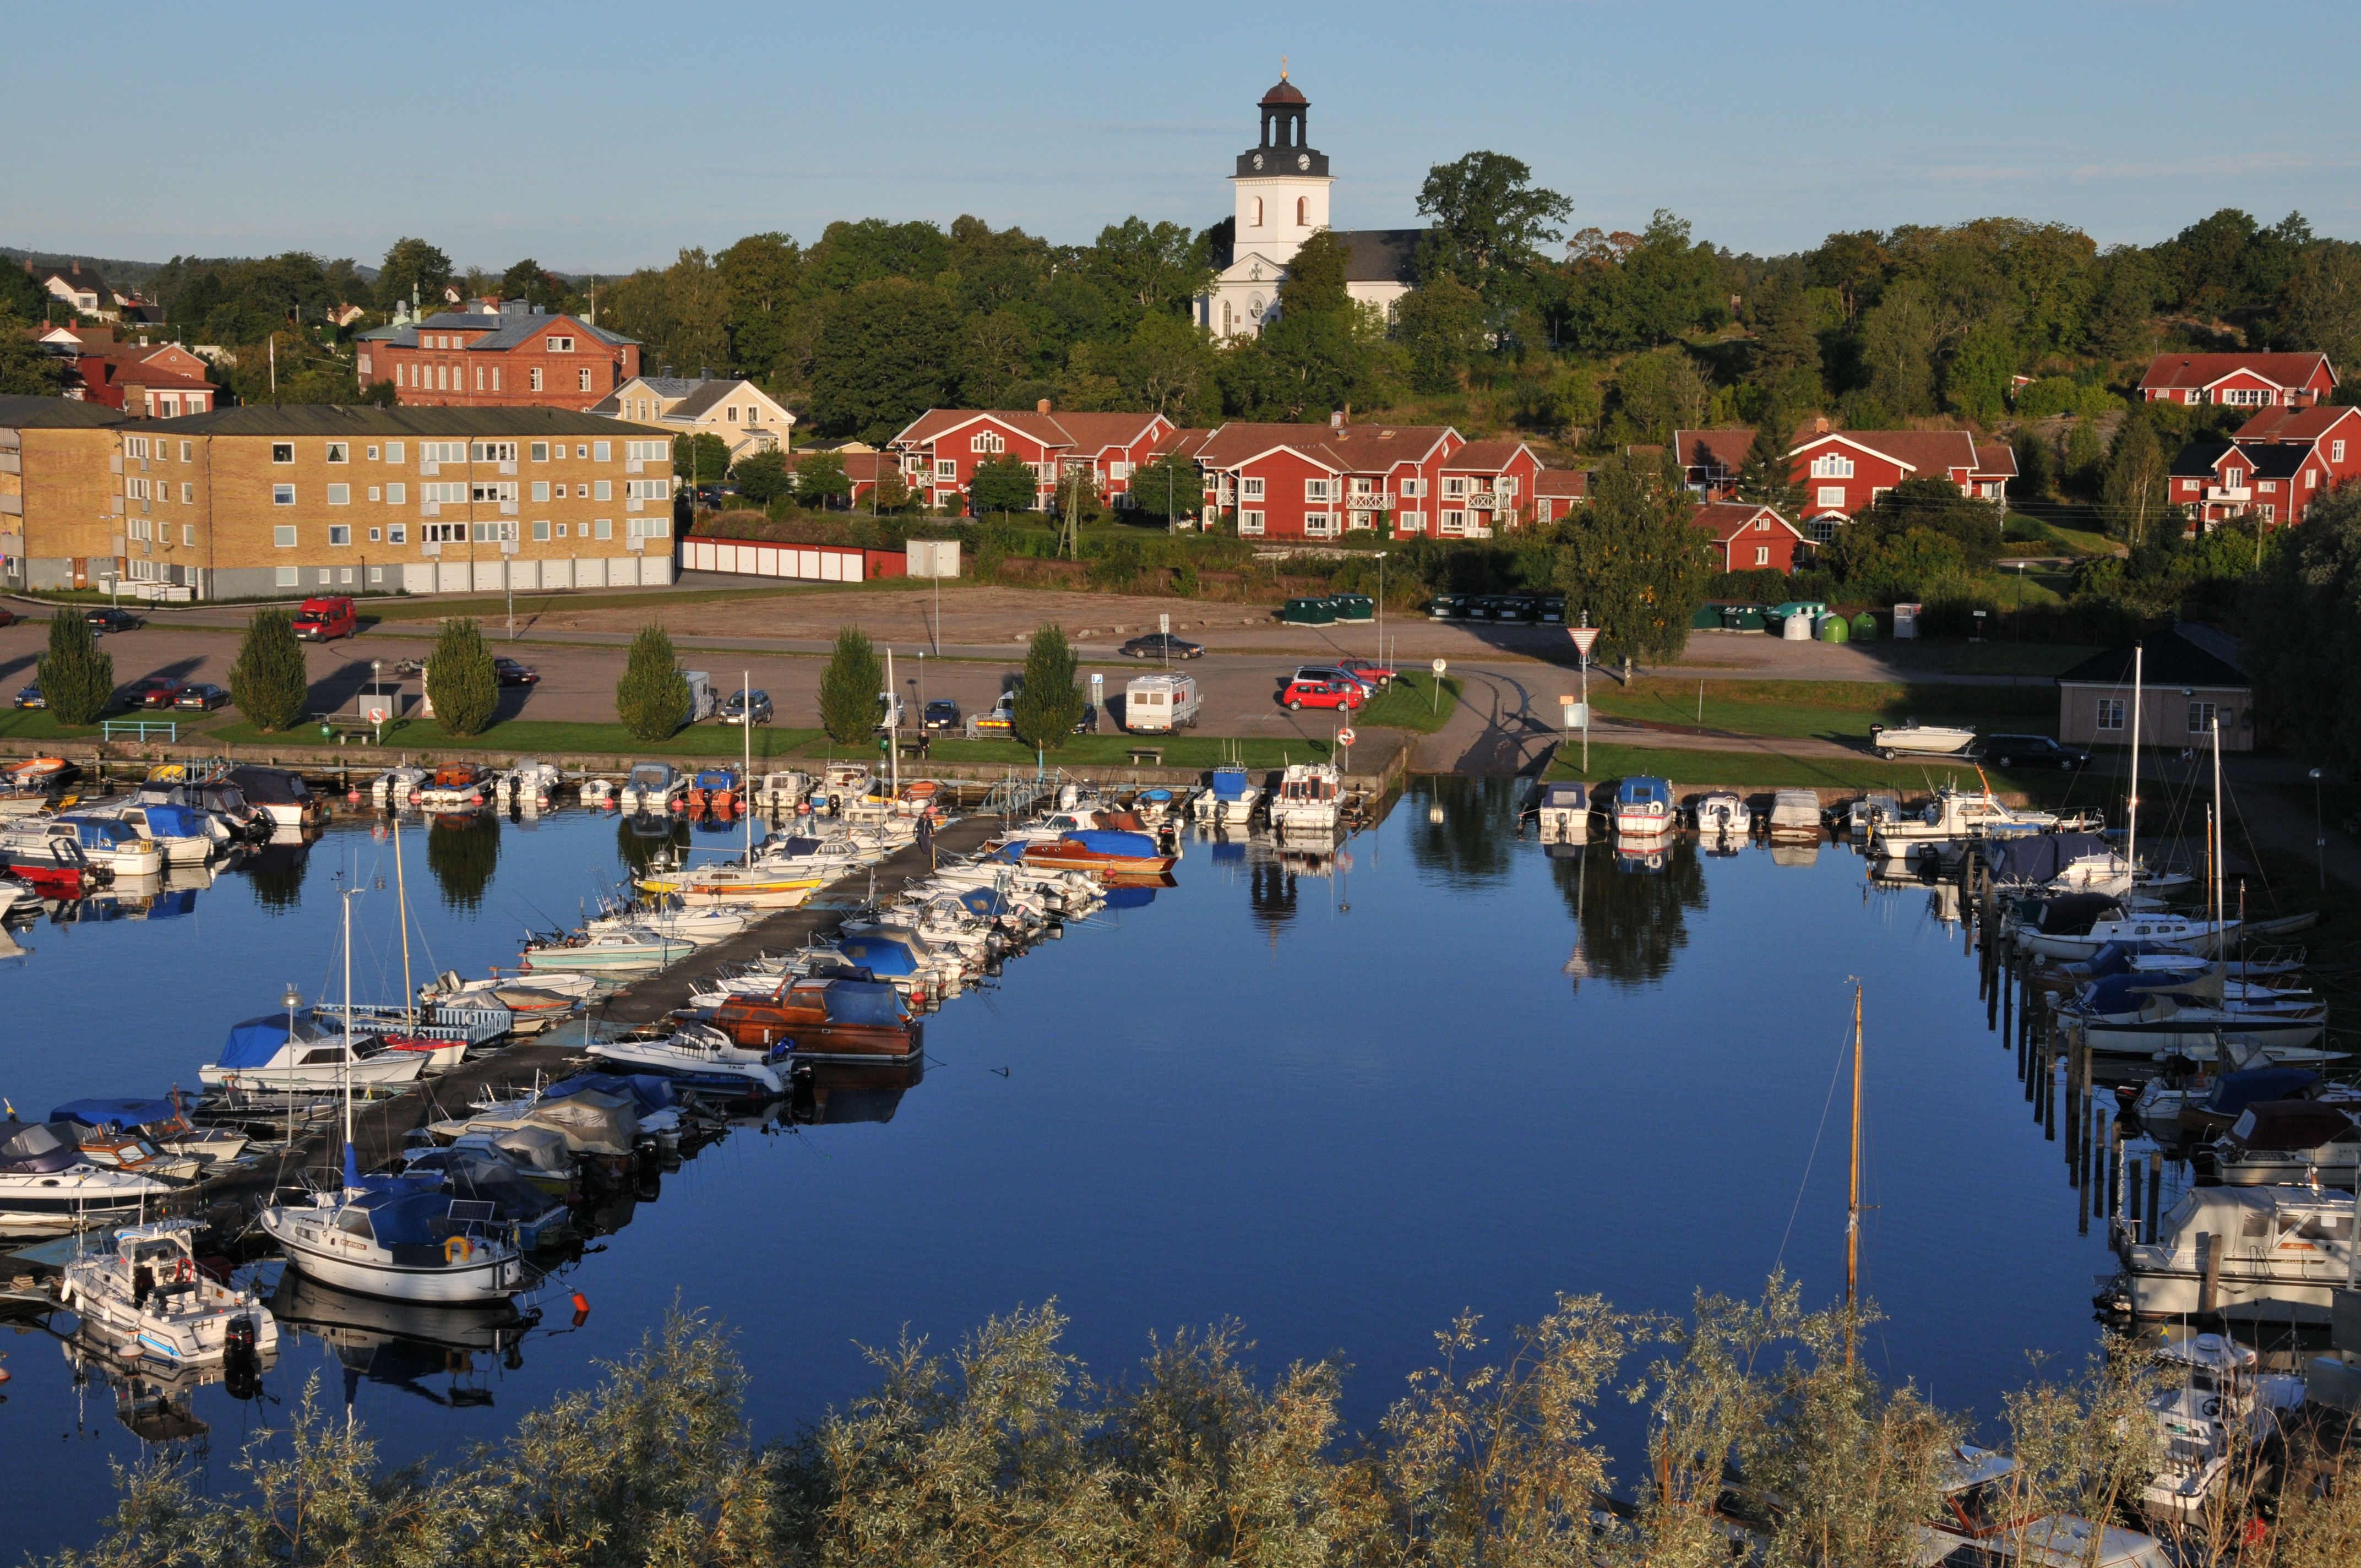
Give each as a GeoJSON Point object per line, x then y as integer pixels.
{"type": "Point", "coordinates": [1864, 627]}
{"type": "Point", "coordinates": [1834, 630]}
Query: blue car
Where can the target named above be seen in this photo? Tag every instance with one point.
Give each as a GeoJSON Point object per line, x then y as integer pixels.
{"type": "Point", "coordinates": [31, 697]}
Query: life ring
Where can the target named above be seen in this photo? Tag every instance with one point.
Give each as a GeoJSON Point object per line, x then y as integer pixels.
{"type": "Point", "coordinates": [2211, 1408]}
{"type": "Point", "coordinates": [184, 1270]}
{"type": "Point", "coordinates": [458, 1249]}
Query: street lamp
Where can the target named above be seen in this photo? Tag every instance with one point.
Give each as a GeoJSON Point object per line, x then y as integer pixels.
{"type": "Point", "coordinates": [1381, 608]}
{"type": "Point", "coordinates": [2319, 831]}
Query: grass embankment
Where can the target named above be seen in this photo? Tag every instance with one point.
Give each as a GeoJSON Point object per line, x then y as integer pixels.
{"type": "Point", "coordinates": [40, 724]}
{"type": "Point", "coordinates": [2055, 538]}
{"type": "Point", "coordinates": [1840, 711]}
{"type": "Point", "coordinates": [1115, 752]}
{"type": "Point", "coordinates": [1411, 703]}
{"type": "Point", "coordinates": [523, 735]}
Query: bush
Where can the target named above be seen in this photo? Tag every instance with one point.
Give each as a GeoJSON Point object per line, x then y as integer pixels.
{"type": "Point", "coordinates": [1185, 581]}
{"type": "Point", "coordinates": [1050, 703]}
{"type": "Point", "coordinates": [652, 697]}
{"type": "Point", "coordinates": [460, 680]}
{"type": "Point", "coordinates": [848, 688]}
{"type": "Point", "coordinates": [2063, 395]}
{"type": "Point", "coordinates": [269, 682]}
{"type": "Point", "coordinates": [764, 477]}
{"type": "Point", "coordinates": [76, 679]}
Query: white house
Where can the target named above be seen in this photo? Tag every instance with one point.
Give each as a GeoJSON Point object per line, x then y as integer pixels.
{"type": "Point", "coordinates": [740, 412]}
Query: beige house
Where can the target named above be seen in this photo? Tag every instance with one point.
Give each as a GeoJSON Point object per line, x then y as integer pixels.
{"type": "Point", "coordinates": [740, 412]}
{"type": "Point", "coordinates": [2188, 684]}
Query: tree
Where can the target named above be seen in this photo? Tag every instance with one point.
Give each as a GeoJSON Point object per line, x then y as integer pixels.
{"type": "Point", "coordinates": [763, 275]}
{"type": "Point", "coordinates": [1767, 477]}
{"type": "Point", "coordinates": [1897, 349]}
{"type": "Point", "coordinates": [848, 688]}
{"type": "Point", "coordinates": [764, 477]}
{"type": "Point", "coordinates": [1976, 375]}
{"type": "Point", "coordinates": [1490, 222]}
{"type": "Point", "coordinates": [1155, 269]}
{"type": "Point", "coordinates": [2085, 457]}
{"type": "Point", "coordinates": [653, 697]}
{"type": "Point", "coordinates": [77, 680]}
{"type": "Point", "coordinates": [700, 459]}
{"type": "Point", "coordinates": [1662, 392]}
{"type": "Point", "coordinates": [1440, 325]}
{"type": "Point", "coordinates": [1315, 277]}
{"type": "Point", "coordinates": [2321, 307]}
{"type": "Point", "coordinates": [820, 478]}
{"type": "Point", "coordinates": [25, 370]}
{"type": "Point", "coordinates": [885, 354]}
{"type": "Point", "coordinates": [1003, 484]}
{"type": "Point", "coordinates": [1786, 364]}
{"type": "Point", "coordinates": [1929, 506]}
{"type": "Point", "coordinates": [1049, 704]}
{"type": "Point", "coordinates": [2134, 487]}
{"type": "Point", "coordinates": [1167, 486]}
{"type": "Point", "coordinates": [413, 268]}
{"type": "Point", "coordinates": [2037, 464]}
{"type": "Point", "coordinates": [891, 492]}
{"type": "Point", "coordinates": [1635, 560]}
{"type": "Point", "coordinates": [2304, 640]}
{"type": "Point", "coordinates": [460, 680]}
{"type": "Point", "coordinates": [531, 282]}
{"type": "Point", "coordinates": [269, 682]}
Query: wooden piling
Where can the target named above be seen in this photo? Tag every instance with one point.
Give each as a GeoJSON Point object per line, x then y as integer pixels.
{"type": "Point", "coordinates": [2132, 1196]}
{"type": "Point", "coordinates": [2050, 1096]}
{"type": "Point", "coordinates": [2154, 1198]}
{"type": "Point", "coordinates": [2209, 1261]}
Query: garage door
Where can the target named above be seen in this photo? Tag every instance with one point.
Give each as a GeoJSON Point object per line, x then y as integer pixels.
{"type": "Point", "coordinates": [557, 574]}
{"type": "Point", "coordinates": [418, 577]}
{"type": "Point", "coordinates": [591, 574]}
{"type": "Point", "coordinates": [524, 574]}
{"type": "Point", "coordinates": [451, 576]}
{"type": "Point", "coordinates": [655, 571]}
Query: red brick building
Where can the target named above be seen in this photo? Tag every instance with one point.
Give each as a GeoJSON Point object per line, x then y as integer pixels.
{"type": "Point", "coordinates": [1749, 538]}
{"type": "Point", "coordinates": [505, 354]}
{"type": "Point", "coordinates": [941, 449]}
{"type": "Point", "coordinates": [2239, 380]}
{"type": "Point", "coordinates": [158, 381]}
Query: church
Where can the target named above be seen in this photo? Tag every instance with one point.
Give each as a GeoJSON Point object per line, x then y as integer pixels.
{"type": "Point", "coordinates": [1281, 192]}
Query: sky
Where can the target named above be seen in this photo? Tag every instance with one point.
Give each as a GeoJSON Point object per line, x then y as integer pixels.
{"type": "Point", "coordinates": [600, 137]}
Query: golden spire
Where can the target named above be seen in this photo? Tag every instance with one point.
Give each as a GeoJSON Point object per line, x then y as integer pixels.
{"type": "Point", "coordinates": [1282, 68]}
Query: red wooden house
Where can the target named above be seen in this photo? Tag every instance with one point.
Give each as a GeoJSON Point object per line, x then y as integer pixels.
{"type": "Point", "coordinates": [1711, 459]}
{"type": "Point", "coordinates": [1486, 486]}
{"type": "Point", "coordinates": [1844, 472]}
{"type": "Point", "coordinates": [1558, 491]}
{"type": "Point", "coordinates": [2275, 481]}
{"type": "Point", "coordinates": [1316, 481]}
{"type": "Point", "coordinates": [941, 449]}
{"type": "Point", "coordinates": [1749, 538]}
{"type": "Point", "coordinates": [2239, 380]}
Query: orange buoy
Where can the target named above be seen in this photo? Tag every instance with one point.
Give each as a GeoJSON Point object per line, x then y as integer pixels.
{"type": "Point", "coordinates": [581, 1310]}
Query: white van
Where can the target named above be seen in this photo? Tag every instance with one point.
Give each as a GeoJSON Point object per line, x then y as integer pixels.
{"type": "Point", "coordinates": [1155, 704]}
{"type": "Point", "coordinates": [702, 703]}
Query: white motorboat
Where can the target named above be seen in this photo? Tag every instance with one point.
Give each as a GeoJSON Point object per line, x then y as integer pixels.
{"type": "Point", "coordinates": [2276, 1143]}
{"type": "Point", "coordinates": [2162, 1025]}
{"type": "Point", "coordinates": [17, 901]}
{"type": "Point", "coordinates": [405, 1245]}
{"type": "Point", "coordinates": [700, 1056]}
{"type": "Point", "coordinates": [115, 846]}
{"type": "Point", "coordinates": [655, 787]}
{"type": "Point", "coordinates": [1643, 806]}
{"type": "Point", "coordinates": [2273, 1254]}
{"type": "Point", "coordinates": [1796, 814]}
{"type": "Point", "coordinates": [1865, 812]}
{"type": "Point", "coordinates": [700, 927]}
{"type": "Point", "coordinates": [47, 1189]}
{"type": "Point", "coordinates": [627, 950]}
{"type": "Point", "coordinates": [1229, 795]}
{"type": "Point", "coordinates": [2212, 1405]}
{"type": "Point", "coordinates": [1917, 739]}
{"type": "Point", "coordinates": [778, 794]}
{"type": "Point", "coordinates": [1722, 815]}
{"type": "Point", "coordinates": [149, 1300]}
{"type": "Point", "coordinates": [1308, 799]}
{"type": "Point", "coordinates": [717, 886]}
{"type": "Point", "coordinates": [530, 782]}
{"type": "Point", "coordinates": [1951, 820]}
{"type": "Point", "coordinates": [398, 787]}
{"type": "Point", "coordinates": [302, 1051]}
{"type": "Point", "coordinates": [188, 836]}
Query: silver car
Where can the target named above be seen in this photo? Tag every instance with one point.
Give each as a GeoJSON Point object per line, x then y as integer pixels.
{"type": "Point", "coordinates": [747, 707]}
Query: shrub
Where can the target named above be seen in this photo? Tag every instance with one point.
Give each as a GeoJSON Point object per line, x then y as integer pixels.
{"type": "Point", "coordinates": [268, 683]}
{"type": "Point", "coordinates": [77, 680]}
{"type": "Point", "coordinates": [652, 697]}
{"type": "Point", "coordinates": [1185, 581]}
{"type": "Point", "coordinates": [848, 688]}
{"type": "Point", "coordinates": [1050, 703]}
{"type": "Point", "coordinates": [460, 681]}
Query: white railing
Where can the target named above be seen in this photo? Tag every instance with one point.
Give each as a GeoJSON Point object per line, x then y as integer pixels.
{"type": "Point", "coordinates": [2229, 493]}
{"type": "Point", "coordinates": [1484, 500]}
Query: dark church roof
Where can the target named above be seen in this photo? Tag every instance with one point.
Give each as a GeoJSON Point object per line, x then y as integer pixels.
{"type": "Point", "coordinates": [1382, 256]}
{"type": "Point", "coordinates": [1285, 92]}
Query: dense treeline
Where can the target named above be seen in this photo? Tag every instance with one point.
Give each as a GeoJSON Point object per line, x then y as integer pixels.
{"type": "Point", "coordinates": [1760, 1423]}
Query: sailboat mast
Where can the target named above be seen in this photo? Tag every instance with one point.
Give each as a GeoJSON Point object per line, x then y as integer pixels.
{"type": "Point", "coordinates": [1852, 1198]}
{"type": "Point", "coordinates": [2221, 834]}
{"type": "Point", "coordinates": [401, 900]}
{"type": "Point", "coordinates": [349, 1160]}
{"type": "Point", "coordinates": [746, 774]}
{"type": "Point", "coordinates": [2130, 802]}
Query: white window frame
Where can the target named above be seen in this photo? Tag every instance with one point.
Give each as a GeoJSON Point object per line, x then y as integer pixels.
{"type": "Point", "coordinates": [541, 530]}
{"type": "Point", "coordinates": [536, 378]}
{"type": "Point", "coordinates": [1454, 488]}
{"type": "Point", "coordinates": [1411, 489]}
{"type": "Point", "coordinates": [1249, 521]}
{"type": "Point", "coordinates": [541, 490]}
{"type": "Point", "coordinates": [340, 495]}
{"type": "Point", "coordinates": [1250, 489]}
{"type": "Point", "coordinates": [443, 533]}
{"type": "Point", "coordinates": [946, 468]}
{"type": "Point", "coordinates": [282, 536]}
{"type": "Point", "coordinates": [602, 490]}
{"type": "Point", "coordinates": [560, 344]}
{"type": "Point", "coordinates": [1317, 489]}
{"type": "Point", "coordinates": [495, 529]}
{"type": "Point", "coordinates": [395, 494]}
{"type": "Point", "coordinates": [582, 378]}
{"type": "Point", "coordinates": [286, 576]}
{"type": "Point", "coordinates": [1832, 465]}
{"type": "Point", "coordinates": [283, 451]}
{"type": "Point", "coordinates": [1829, 496]}
{"type": "Point", "coordinates": [1410, 522]}
{"type": "Point", "coordinates": [2111, 713]}
{"type": "Point", "coordinates": [603, 528]}
{"type": "Point", "coordinates": [397, 533]}
{"type": "Point", "coordinates": [601, 452]}
{"type": "Point", "coordinates": [340, 452]}
{"type": "Point", "coordinates": [340, 535]}
{"type": "Point", "coordinates": [283, 495]}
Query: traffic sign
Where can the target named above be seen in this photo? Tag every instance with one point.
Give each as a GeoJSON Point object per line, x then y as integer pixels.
{"type": "Point", "coordinates": [1440, 666]}
{"type": "Point", "coordinates": [376, 716]}
{"type": "Point", "coordinates": [1344, 736]}
{"type": "Point", "coordinates": [1584, 636]}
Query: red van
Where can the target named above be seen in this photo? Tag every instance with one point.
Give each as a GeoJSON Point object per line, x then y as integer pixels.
{"type": "Point", "coordinates": [323, 620]}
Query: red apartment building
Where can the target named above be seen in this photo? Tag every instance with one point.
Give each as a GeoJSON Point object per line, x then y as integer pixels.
{"type": "Point", "coordinates": [2239, 380]}
{"type": "Point", "coordinates": [941, 449]}
{"type": "Point", "coordinates": [1749, 538]}
{"type": "Point", "coordinates": [504, 353]}
{"type": "Point", "coordinates": [1316, 481]}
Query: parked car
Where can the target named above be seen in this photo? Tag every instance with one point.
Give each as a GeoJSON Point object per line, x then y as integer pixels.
{"type": "Point", "coordinates": [891, 712]}
{"type": "Point", "coordinates": [1002, 719]}
{"type": "Point", "coordinates": [1317, 672]}
{"type": "Point", "coordinates": [8, 616]}
{"type": "Point", "coordinates": [30, 697]}
{"type": "Point", "coordinates": [200, 696]}
{"type": "Point", "coordinates": [942, 717]}
{"type": "Point", "coordinates": [513, 673]}
{"type": "Point", "coordinates": [1162, 645]}
{"type": "Point", "coordinates": [1377, 678]}
{"type": "Point", "coordinates": [2032, 752]}
{"type": "Point", "coordinates": [107, 618]}
{"type": "Point", "coordinates": [324, 619]}
{"type": "Point", "coordinates": [151, 691]}
{"type": "Point", "coordinates": [746, 708]}
{"type": "Point", "coordinates": [1344, 693]}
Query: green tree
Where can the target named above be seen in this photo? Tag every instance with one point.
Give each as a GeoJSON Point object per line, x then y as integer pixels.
{"type": "Point", "coordinates": [2037, 464]}
{"type": "Point", "coordinates": [1441, 327]}
{"type": "Point", "coordinates": [530, 282]}
{"type": "Point", "coordinates": [2321, 307]}
{"type": "Point", "coordinates": [1003, 484]}
{"type": "Point", "coordinates": [848, 688]}
{"type": "Point", "coordinates": [1489, 223]}
{"type": "Point", "coordinates": [885, 355]}
{"type": "Point", "coordinates": [1767, 477]}
{"type": "Point", "coordinates": [413, 267]}
{"type": "Point", "coordinates": [1315, 277]}
{"type": "Point", "coordinates": [1167, 486]}
{"type": "Point", "coordinates": [1635, 560]}
{"type": "Point", "coordinates": [700, 459]}
{"type": "Point", "coordinates": [763, 275]}
{"type": "Point", "coordinates": [820, 479]}
{"type": "Point", "coordinates": [1662, 392]}
{"type": "Point", "coordinates": [764, 477]}
{"type": "Point", "coordinates": [1929, 506]}
{"type": "Point", "coordinates": [1154, 269]}
{"type": "Point", "coordinates": [680, 315]}
{"type": "Point", "coordinates": [1897, 350]}
{"type": "Point", "coordinates": [2136, 483]}
{"type": "Point", "coordinates": [2085, 457]}
{"type": "Point", "coordinates": [76, 679]}
{"type": "Point", "coordinates": [269, 682]}
{"type": "Point", "coordinates": [1051, 702]}
{"type": "Point", "coordinates": [1976, 375]}
{"type": "Point", "coordinates": [25, 370]}
{"type": "Point", "coordinates": [1786, 363]}
{"type": "Point", "coordinates": [653, 697]}
{"type": "Point", "coordinates": [460, 680]}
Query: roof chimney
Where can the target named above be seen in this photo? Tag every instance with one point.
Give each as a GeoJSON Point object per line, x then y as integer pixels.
{"type": "Point", "coordinates": [1336, 419]}
{"type": "Point", "coordinates": [1042, 407]}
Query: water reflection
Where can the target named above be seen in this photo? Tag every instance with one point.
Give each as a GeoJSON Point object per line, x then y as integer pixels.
{"type": "Point", "coordinates": [463, 851]}
{"type": "Point", "coordinates": [277, 870]}
{"type": "Point", "coordinates": [441, 1353]}
{"type": "Point", "coordinates": [1631, 906]}
{"type": "Point", "coordinates": [645, 838]}
{"type": "Point", "coordinates": [1462, 831]}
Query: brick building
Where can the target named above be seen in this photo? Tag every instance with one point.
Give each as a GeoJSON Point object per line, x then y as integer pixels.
{"type": "Point", "coordinates": [503, 354]}
{"type": "Point", "coordinates": [57, 489]}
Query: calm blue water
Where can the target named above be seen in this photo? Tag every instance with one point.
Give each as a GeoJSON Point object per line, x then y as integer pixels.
{"type": "Point", "coordinates": [1337, 1106]}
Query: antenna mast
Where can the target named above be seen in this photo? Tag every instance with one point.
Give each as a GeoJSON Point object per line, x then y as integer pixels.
{"type": "Point", "coordinates": [1852, 1199]}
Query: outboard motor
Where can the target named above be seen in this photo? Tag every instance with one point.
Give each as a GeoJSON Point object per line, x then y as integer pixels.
{"type": "Point", "coordinates": [241, 1364]}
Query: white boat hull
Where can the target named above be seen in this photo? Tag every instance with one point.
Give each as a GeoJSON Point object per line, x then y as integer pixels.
{"type": "Point", "coordinates": [494, 1274]}
{"type": "Point", "coordinates": [379, 1071]}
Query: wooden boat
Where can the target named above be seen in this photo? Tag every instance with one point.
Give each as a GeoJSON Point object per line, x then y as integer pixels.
{"type": "Point", "coordinates": [823, 1020]}
{"type": "Point", "coordinates": [1102, 852]}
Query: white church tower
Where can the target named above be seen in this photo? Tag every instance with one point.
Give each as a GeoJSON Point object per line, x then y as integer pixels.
{"type": "Point", "coordinates": [1280, 195]}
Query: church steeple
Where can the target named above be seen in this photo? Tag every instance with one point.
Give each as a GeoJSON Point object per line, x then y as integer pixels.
{"type": "Point", "coordinates": [1285, 148]}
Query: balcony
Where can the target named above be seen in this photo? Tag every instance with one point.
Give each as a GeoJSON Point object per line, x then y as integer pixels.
{"type": "Point", "coordinates": [2238, 495]}
{"type": "Point", "coordinates": [1484, 500]}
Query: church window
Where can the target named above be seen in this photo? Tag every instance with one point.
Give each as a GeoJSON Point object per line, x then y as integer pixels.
{"type": "Point", "coordinates": [1303, 212]}
{"type": "Point", "coordinates": [1256, 211]}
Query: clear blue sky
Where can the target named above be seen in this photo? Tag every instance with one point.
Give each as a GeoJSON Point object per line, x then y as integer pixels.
{"type": "Point", "coordinates": [597, 136]}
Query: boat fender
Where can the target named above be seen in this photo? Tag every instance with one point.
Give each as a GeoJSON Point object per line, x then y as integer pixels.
{"type": "Point", "coordinates": [2211, 1408]}
{"type": "Point", "coordinates": [458, 1249]}
{"type": "Point", "coordinates": [581, 1308]}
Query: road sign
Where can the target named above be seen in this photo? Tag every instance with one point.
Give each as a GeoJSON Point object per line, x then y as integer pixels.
{"type": "Point", "coordinates": [1164, 624]}
{"type": "Point", "coordinates": [1584, 636]}
{"type": "Point", "coordinates": [1440, 666]}
{"type": "Point", "coordinates": [376, 716]}
{"type": "Point", "coordinates": [1344, 736]}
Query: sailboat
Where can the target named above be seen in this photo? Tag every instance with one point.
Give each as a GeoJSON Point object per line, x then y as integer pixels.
{"type": "Point", "coordinates": [394, 1241]}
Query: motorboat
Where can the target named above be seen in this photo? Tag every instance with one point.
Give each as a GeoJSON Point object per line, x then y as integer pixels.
{"type": "Point", "coordinates": [401, 1243]}
{"type": "Point", "coordinates": [713, 792]}
{"type": "Point", "coordinates": [148, 1298]}
{"type": "Point", "coordinates": [54, 866]}
{"type": "Point", "coordinates": [1722, 815]}
{"type": "Point", "coordinates": [1102, 852]}
{"type": "Point", "coordinates": [208, 792]}
{"type": "Point", "coordinates": [282, 1051]}
{"type": "Point", "coordinates": [1229, 796]}
{"type": "Point", "coordinates": [111, 1147]}
{"type": "Point", "coordinates": [902, 958]}
{"type": "Point", "coordinates": [17, 901]}
{"type": "Point", "coordinates": [768, 884]}
{"type": "Point", "coordinates": [598, 794]}
{"type": "Point", "coordinates": [112, 846]}
{"type": "Point", "coordinates": [399, 785]}
{"type": "Point", "coordinates": [1309, 799]}
{"type": "Point", "coordinates": [842, 785]}
{"type": "Point", "coordinates": [457, 788]}
{"type": "Point", "coordinates": [1643, 806]}
{"type": "Point", "coordinates": [2121, 1016]}
{"type": "Point", "coordinates": [2287, 1142]}
{"type": "Point", "coordinates": [1980, 1524]}
{"type": "Point", "coordinates": [1562, 811]}
{"type": "Point", "coordinates": [1864, 812]}
{"type": "Point", "coordinates": [400, 1342]}
{"type": "Point", "coordinates": [700, 927]}
{"type": "Point", "coordinates": [822, 1020]}
{"type": "Point", "coordinates": [534, 1003]}
{"type": "Point", "coordinates": [1796, 815]}
{"type": "Point", "coordinates": [47, 1189]}
{"type": "Point", "coordinates": [161, 1122]}
{"type": "Point", "coordinates": [627, 950]}
{"type": "Point", "coordinates": [780, 793]}
{"type": "Point", "coordinates": [278, 794]}
{"type": "Point", "coordinates": [185, 835]}
{"type": "Point", "coordinates": [530, 782]}
{"type": "Point", "coordinates": [1951, 821]}
{"type": "Point", "coordinates": [1917, 739]}
{"type": "Point", "coordinates": [2272, 1254]}
{"type": "Point", "coordinates": [653, 787]}
{"type": "Point", "coordinates": [2210, 1406]}
{"type": "Point", "coordinates": [700, 1055]}
{"type": "Point", "coordinates": [2060, 862]}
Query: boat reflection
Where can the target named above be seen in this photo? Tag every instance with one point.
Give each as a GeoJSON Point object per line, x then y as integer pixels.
{"type": "Point", "coordinates": [829, 1094]}
{"type": "Point", "coordinates": [155, 1402]}
{"type": "Point", "coordinates": [444, 1354]}
{"type": "Point", "coordinates": [1630, 908]}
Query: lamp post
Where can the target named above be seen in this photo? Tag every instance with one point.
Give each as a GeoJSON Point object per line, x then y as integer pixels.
{"type": "Point", "coordinates": [1381, 608]}
{"type": "Point", "coordinates": [2319, 831]}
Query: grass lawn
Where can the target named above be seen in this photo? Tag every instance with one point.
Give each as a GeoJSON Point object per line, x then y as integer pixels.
{"type": "Point", "coordinates": [40, 724]}
{"type": "Point", "coordinates": [1755, 769]}
{"type": "Point", "coordinates": [1113, 752]}
{"type": "Point", "coordinates": [1411, 703]}
{"type": "Point", "coordinates": [489, 606]}
{"type": "Point", "coordinates": [1826, 710]}
{"type": "Point", "coordinates": [2054, 538]}
{"type": "Point", "coordinates": [522, 735]}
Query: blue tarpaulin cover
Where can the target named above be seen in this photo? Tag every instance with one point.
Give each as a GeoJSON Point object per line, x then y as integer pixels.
{"type": "Point", "coordinates": [2125, 992]}
{"type": "Point", "coordinates": [861, 1001]}
{"type": "Point", "coordinates": [2041, 856]}
{"type": "Point", "coordinates": [1229, 784]}
{"type": "Point", "coordinates": [880, 955]}
{"type": "Point", "coordinates": [115, 1112]}
{"type": "Point", "coordinates": [2234, 1092]}
{"type": "Point", "coordinates": [1641, 789]}
{"type": "Point", "coordinates": [255, 1042]}
{"type": "Point", "coordinates": [406, 1217]}
{"type": "Point", "coordinates": [1113, 841]}
{"type": "Point", "coordinates": [980, 901]}
{"type": "Point", "coordinates": [175, 822]}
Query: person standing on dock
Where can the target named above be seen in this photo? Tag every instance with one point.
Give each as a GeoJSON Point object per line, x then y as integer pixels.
{"type": "Point", "coordinates": [927, 836]}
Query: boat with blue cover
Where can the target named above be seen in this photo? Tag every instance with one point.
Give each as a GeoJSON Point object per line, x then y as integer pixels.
{"type": "Point", "coordinates": [1098, 851]}
{"type": "Point", "coordinates": [302, 1051]}
{"type": "Point", "coordinates": [1230, 796]}
{"type": "Point", "coordinates": [405, 1245]}
{"type": "Point", "coordinates": [161, 1122]}
{"type": "Point", "coordinates": [1643, 806]}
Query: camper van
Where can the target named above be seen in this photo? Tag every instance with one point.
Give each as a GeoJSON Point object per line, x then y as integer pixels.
{"type": "Point", "coordinates": [1155, 704]}
{"type": "Point", "coordinates": [702, 702]}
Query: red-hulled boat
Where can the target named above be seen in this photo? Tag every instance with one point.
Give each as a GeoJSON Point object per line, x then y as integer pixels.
{"type": "Point", "coordinates": [822, 1019]}
{"type": "Point", "coordinates": [1101, 852]}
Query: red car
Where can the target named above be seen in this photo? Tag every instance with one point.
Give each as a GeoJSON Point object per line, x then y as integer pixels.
{"type": "Point", "coordinates": [1377, 678]}
{"type": "Point", "coordinates": [324, 619]}
{"type": "Point", "coordinates": [1301, 695]}
{"type": "Point", "coordinates": [155, 691]}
